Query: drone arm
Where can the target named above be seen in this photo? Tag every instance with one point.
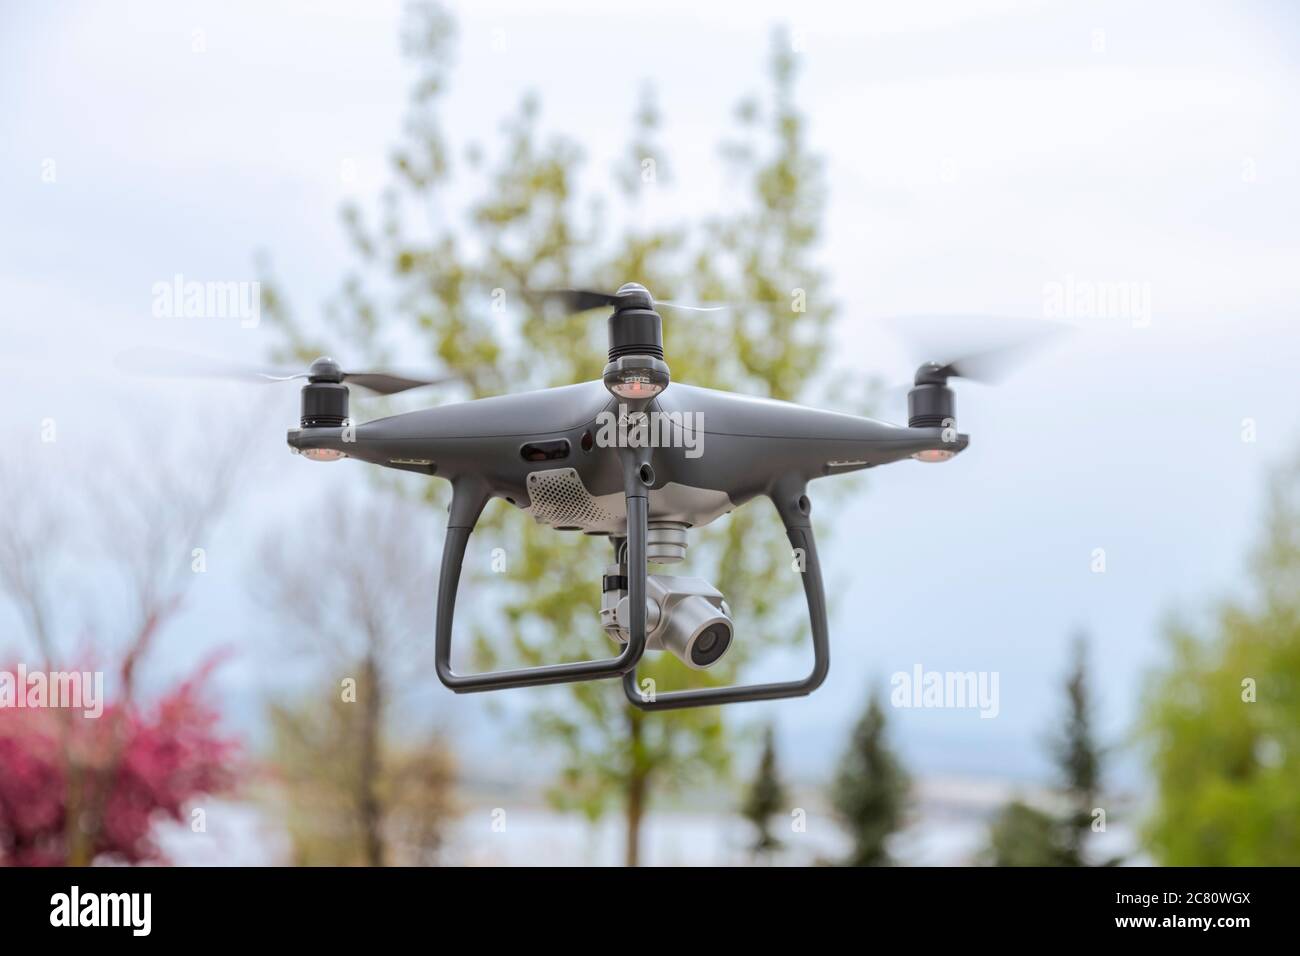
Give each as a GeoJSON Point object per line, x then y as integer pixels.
{"type": "Point", "coordinates": [793, 507]}
{"type": "Point", "coordinates": [469, 497]}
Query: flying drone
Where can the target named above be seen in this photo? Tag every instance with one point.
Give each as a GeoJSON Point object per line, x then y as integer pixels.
{"type": "Point", "coordinates": [643, 461]}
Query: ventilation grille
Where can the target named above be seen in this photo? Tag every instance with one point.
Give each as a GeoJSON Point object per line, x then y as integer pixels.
{"type": "Point", "coordinates": [560, 499]}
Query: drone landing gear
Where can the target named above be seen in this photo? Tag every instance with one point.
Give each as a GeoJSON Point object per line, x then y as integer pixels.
{"type": "Point", "coordinates": [470, 496]}
{"type": "Point", "coordinates": [792, 505]}
{"type": "Point", "coordinates": [467, 503]}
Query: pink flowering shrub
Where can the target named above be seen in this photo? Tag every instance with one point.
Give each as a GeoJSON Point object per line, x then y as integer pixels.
{"type": "Point", "coordinates": [74, 789]}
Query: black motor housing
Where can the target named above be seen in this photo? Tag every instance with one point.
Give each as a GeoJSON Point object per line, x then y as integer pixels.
{"type": "Point", "coordinates": [324, 405]}
{"type": "Point", "coordinates": [635, 328]}
{"type": "Point", "coordinates": [931, 403]}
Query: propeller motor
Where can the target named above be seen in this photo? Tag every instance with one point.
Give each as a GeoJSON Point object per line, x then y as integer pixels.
{"type": "Point", "coordinates": [324, 397]}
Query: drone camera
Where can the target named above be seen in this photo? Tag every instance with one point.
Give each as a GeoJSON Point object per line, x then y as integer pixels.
{"type": "Point", "coordinates": [685, 616]}
{"type": "Point", "coordinates": [698, 631]}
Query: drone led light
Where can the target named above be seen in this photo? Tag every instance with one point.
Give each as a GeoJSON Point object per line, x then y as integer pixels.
{"type": "Point", "coordinates": [632, 377]}
{"type": "Point", "coordinates": [323, 454]}
{"type": "Point", "coordinates": [934, 454]}
{"type": "Point", "coordinates": [636, 385]}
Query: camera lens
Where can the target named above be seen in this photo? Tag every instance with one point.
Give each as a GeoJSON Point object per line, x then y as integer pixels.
{"type": "Point", "coordinates": [693, 623]}
{"type": "Point", "coordinates": [710, 645]}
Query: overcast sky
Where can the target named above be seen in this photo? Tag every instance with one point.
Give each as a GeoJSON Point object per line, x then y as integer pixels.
{"type": "Point", "coordinates": [982, 157]}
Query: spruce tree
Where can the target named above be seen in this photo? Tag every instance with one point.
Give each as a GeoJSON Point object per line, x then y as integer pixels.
{"type": "Point", "coordinates": [1078, 759]}
{"type": "Point", "coordinates": [870, 791]}
{"type": "Point", "coordinates": [766, 798]}
{"type": "Point", "coordinates": [1027, 836]}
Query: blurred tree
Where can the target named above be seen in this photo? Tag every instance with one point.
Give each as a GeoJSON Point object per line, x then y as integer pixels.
{"type": "Point", "coordinates": [870, 790]}
{"type": "Point", "coordinates": [767, 798]}
{"type": "Point", "coordinates": [358, 791]}
{"type": "Point", "coordinates": [357, 797]}
{"type": "Point", "coordinates": [1024, 835]}
{"type": "Point", "coordinates": [445, 270]}
{"type": "Point", "coordinates": [1221, 718]}
{"type": "Point", "coordinates": [75, 788]}
{"type": "Point", "coordinates": [1078, 758]}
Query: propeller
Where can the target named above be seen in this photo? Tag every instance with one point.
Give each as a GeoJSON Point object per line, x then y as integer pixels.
{"type": "Point", "coordinates": [582, 300]}
{"type": "Point", "coordinates": [981, 348]}
{"type": "Point", "coordinates": [157, 362]}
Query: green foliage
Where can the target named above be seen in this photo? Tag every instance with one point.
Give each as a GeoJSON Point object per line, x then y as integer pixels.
{"type": "Point", "coordinates": [444, 270]}
{"type": "Point", "coordinates": [767, 797]}
{"type": "Point", "coordinates": [1025, 836]}
{"type": "Point", "coordinates": [870, 791]}
{"type": "Point", "coordinates": [1221, 718]}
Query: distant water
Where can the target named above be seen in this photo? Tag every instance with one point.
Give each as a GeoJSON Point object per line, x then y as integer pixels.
{"type": "Point", "coordinates": [949, 827]}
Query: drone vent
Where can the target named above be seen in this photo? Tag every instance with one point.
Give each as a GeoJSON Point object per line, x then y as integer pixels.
{"type": "Point", "coordinates": [559, 498]}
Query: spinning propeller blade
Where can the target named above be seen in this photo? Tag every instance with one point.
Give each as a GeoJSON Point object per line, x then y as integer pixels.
{"type": "Point", "coordinates": [579, 300]}
{"type": "Point", "coordinates": [159, 362]}
{"type": "Point", "coordinates": [692, 308]}
{"type": "Point", "coordinates": [981, 348]}
{"type": "Point", "coordinates": [387, 383]}
{"type": "Point", "coordinates": [582, 300]}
